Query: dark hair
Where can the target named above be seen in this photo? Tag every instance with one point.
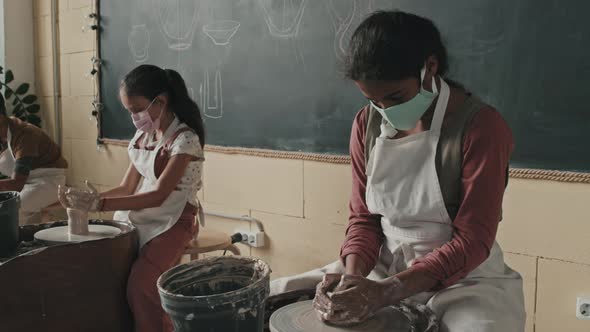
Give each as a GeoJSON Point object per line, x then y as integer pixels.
{"type": "Point", "coordinates": [393, 45]}
{"type": "Point", "coordinates": [2, 105]}
{"type": "Point", "coordinates": [150, 81]}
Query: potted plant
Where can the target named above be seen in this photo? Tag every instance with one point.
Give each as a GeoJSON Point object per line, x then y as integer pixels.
{"type": "Point", "coordinates": [22, 104]}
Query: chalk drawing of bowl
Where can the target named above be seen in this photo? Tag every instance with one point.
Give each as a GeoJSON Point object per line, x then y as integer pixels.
{"type": "Point", "coordinates": [139, 42]}
{"type": "Point", "coordinates": [221, 31]}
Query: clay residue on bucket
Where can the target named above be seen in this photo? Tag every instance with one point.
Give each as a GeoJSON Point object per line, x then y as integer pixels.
{"type": "Point", "coordinates": [215, 276]}
{"type": "Point", "coordinates": [6, 196]}
{"type": "Point", "coordinates": [238, 284]}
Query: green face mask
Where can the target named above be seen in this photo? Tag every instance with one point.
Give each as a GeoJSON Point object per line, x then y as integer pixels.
{"type": "Point", "coordinates": [405, 116]}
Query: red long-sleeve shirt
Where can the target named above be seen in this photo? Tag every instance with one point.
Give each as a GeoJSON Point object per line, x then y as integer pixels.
{"type": "Point", "coordinates": [486, 150]}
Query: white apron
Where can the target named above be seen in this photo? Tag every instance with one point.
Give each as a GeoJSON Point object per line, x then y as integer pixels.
{"type": "Point", "coordinates": [40, 189]}
{"type": "Point", "coordinates": [153, 221]}
{"type": "Point", "coordinates": [403, 187]}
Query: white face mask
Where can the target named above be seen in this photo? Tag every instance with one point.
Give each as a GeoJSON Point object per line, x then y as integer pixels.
{"type": "Point", "coordinates": [143, 121]}
{"type": "Point", "coordinates": [405, 116]}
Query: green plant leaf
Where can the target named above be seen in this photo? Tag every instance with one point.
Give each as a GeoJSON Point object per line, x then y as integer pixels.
{"type": "Point", "coordinates": [1, 69]}
{"type": "Point", "coordinates": [8, 93]}
{"type": "Point", "coordinates": [35, 108]}
{"type": "Point", "coordinates": [33, 119]}
{"type": "Point", "coordinates": [9, 77]}
{"type": "Point", "coordinates": [15, 101]}
{"type": "Point", "coordinates": [29, 99]}
{"type": "Point", "coordinates": [22, 89]}
{"type": "Point", "coordinates": [18, 111]}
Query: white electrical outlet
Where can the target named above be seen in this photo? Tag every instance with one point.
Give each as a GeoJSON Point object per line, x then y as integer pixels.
{"type": "Point", "coordinates": [583, 308]}
{"type": "Point", "coordinates": [253, 239]}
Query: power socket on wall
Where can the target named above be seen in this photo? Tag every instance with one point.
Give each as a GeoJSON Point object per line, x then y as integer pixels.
{"type": "Point", "coordinates": [583, 308]}
{"type": "Point", "coordinates": [253, 239]}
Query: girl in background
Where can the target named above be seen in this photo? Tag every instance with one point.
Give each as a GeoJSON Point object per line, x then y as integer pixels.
{"type": "Point", "coordinates": [158, 194]}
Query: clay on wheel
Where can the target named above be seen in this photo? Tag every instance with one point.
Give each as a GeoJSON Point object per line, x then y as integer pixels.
{"type": "Point", "coordinates": [300, 317]}
{"type": "Point", "coordinates": [77, 221]}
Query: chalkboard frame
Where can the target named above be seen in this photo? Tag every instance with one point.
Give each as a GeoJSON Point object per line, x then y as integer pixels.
{"type": "Point", "coordinates": [581, 176]}
{"type": "Point", "coordinates": [98, 108]}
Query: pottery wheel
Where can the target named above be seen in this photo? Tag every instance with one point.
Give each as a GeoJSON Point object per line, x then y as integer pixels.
{"type": "Point", "coordinates": [300, 317]}
{"type": "Point", "coordinates": [62, 234]}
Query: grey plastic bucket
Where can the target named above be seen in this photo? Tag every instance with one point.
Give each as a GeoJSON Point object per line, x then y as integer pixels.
{"type": "Point", "coordinates": [216, 294]}
{"type": "Point", "coordinates": [9, 206]}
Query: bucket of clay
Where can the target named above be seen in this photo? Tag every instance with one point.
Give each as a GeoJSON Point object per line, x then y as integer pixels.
{"type": "Point", "coordinates": [216, 294]}
{"type": "Point", "coordinates": [9, 206]}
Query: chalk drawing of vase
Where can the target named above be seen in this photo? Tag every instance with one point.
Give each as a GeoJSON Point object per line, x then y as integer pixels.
{"type": "Point", "coordinates": [211, 92]}
{"type": "Point", "coordinates": [139, 42]}
{"type": "Point", "coordinates": [283, 17]}
{"type": "Point", "coordinates": [345, 16]}
{"type": "Point", "coordinates": [220, 33]}
{"type": "Point", "coordinates": [178, 20]}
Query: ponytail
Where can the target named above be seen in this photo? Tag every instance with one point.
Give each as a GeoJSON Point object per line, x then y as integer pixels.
{"type": "Point", "coordinates": [182, 105]}
{"type": "Point", "coordinates": [151, 81]}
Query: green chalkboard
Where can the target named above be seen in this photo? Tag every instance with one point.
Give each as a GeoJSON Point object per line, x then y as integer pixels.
{"type": "Point", "coordinates": [268, 73]}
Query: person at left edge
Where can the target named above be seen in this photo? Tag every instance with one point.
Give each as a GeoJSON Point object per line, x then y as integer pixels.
{"type": "Point", "coordinates": [32, 163]}
{"type": "Point", "coordinates": [158, 193]}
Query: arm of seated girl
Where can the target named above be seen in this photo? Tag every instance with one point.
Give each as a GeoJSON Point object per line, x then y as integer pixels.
{"type": "Point", "coordinates": [166, 184]}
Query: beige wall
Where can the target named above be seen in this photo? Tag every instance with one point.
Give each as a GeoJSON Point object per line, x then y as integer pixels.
{"type": "Point", "coordinates": [16, 30]}
{"type": "Point", "coordinates": [303, 205]}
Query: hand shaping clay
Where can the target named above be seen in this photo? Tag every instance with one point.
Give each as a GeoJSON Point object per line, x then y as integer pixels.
{"type": "Point", "coordinates": [300, 317]}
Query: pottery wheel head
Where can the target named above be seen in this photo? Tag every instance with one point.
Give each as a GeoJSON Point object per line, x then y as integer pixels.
{"type": "Point", "coordinates": [300, 317]}
{"type": "Point", "coordinates": [59, 235]}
